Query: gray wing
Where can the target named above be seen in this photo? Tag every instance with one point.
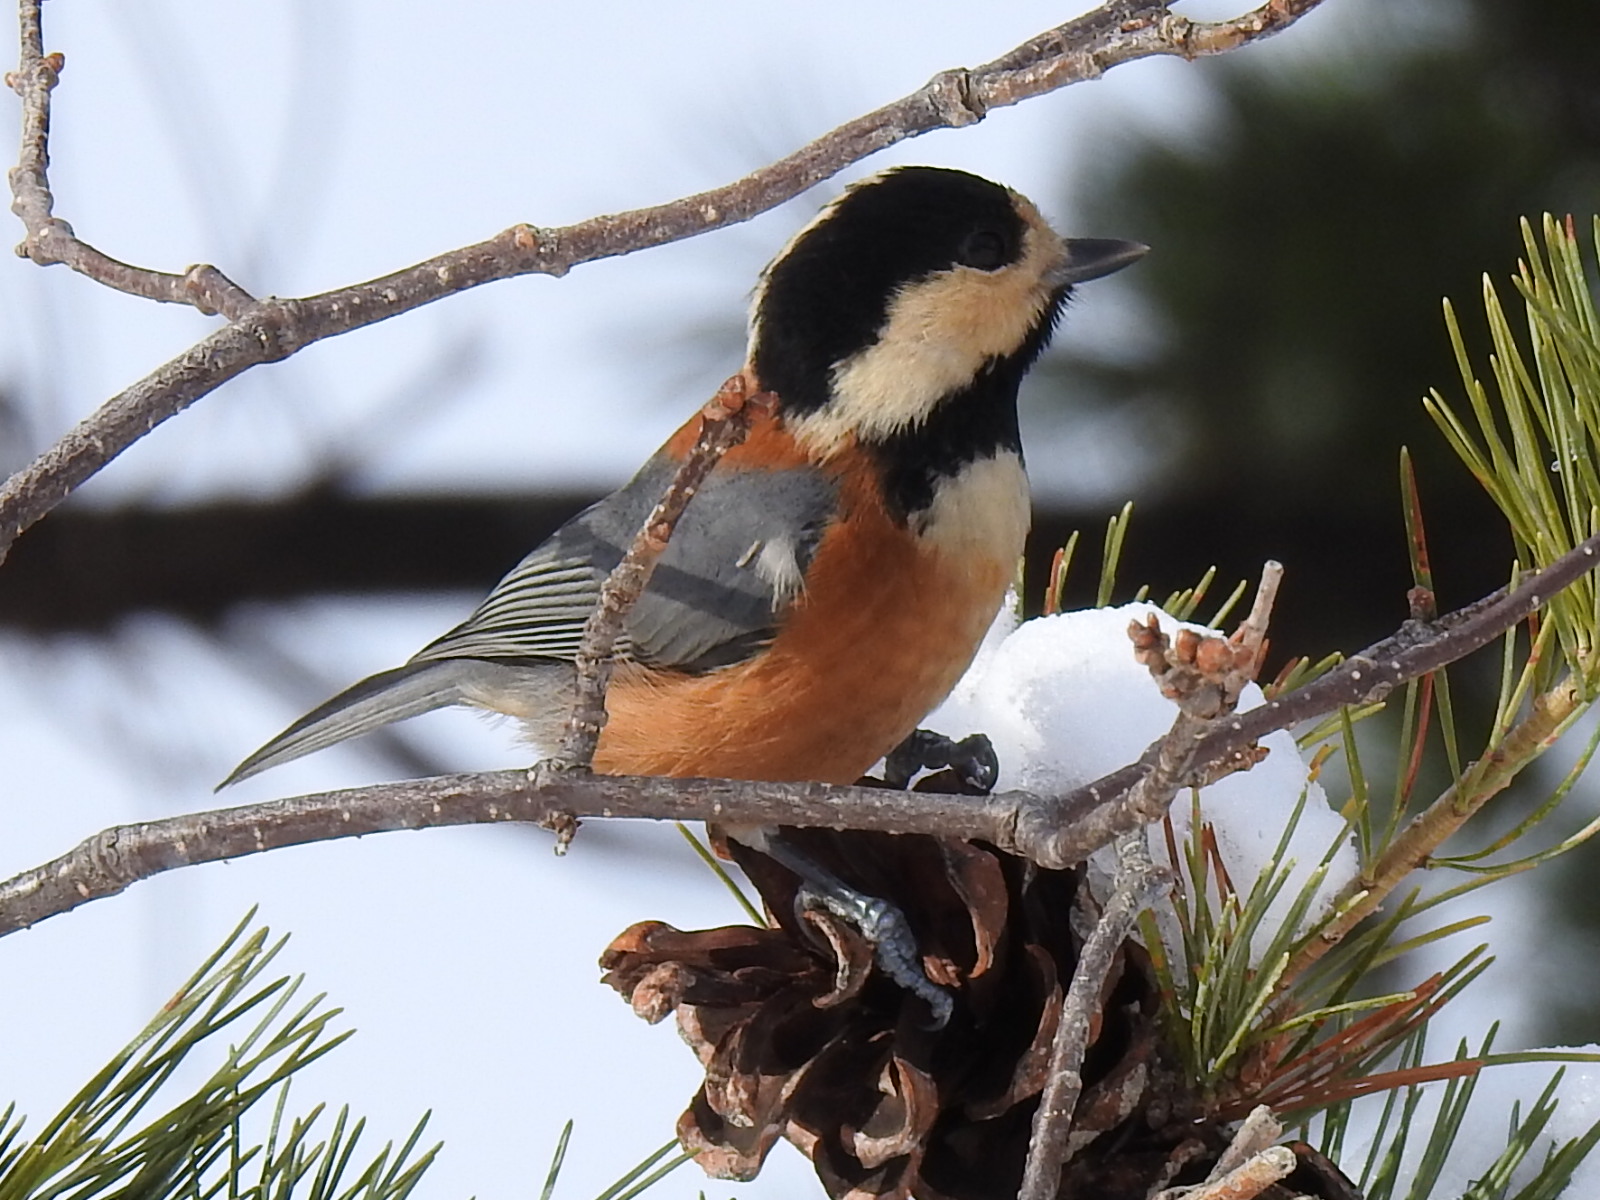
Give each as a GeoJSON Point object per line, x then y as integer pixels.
{"type": "Point", "coordinates": [728, 575]}
{"type": "Point", "coordinates": [730, 571]}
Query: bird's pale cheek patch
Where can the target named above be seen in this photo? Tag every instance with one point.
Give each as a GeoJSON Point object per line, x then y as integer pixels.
{"type": "Point", "coordinates": [940, 334]}
{"type": "Point", "coordinates": [980, 514]}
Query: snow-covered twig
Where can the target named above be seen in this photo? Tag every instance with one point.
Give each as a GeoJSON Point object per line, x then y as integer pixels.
{"type": "Point", "coordinates": [1099, 811]}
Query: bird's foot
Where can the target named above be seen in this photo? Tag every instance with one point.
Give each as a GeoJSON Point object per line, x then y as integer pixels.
{"type": "Point", "coordinates": [972, 760]}
{"type": "Point", "coordinates": [894, 946]}
{"type": "Point", "coordinates": [881, 924]}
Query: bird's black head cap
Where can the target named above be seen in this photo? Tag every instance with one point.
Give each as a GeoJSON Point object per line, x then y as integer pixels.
{"type": "Point", "coordinates": [828, 295]}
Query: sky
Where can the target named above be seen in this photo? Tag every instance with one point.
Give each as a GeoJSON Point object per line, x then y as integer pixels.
{"type": "Point", "coordinates": [304, 144]}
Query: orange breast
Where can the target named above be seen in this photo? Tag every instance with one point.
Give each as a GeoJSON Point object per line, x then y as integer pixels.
{"type": "Point", "coordinates": [887, 625]}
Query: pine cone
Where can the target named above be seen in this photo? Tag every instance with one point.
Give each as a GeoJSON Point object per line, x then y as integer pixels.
{"type": "Point", "coordinates": [801, 1038]}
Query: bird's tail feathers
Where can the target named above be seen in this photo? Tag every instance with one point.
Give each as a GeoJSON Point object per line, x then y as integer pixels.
{"type": "Point", "coordinates": [376, 701]}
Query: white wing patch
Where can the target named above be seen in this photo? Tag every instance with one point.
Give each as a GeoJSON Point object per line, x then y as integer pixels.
{"type": "Point", "coordinates": [778, 563]}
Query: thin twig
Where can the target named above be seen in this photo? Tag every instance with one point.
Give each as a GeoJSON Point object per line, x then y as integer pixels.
{"type": "Point", "coordinates": [1098, 812]}
{"type": "Point", "coordinates": [48, 239]}
{"type": "Point", "coordinates": [724, 422]}
{"type": "Point", "coordinates": [1138, 880]}
{"type": "Point", "coordinates": [270, 329]}
{"type": "Point", "coordinates": [1052, 831]}
{"type": "Point", "coordinates": [1252, 634]}
{"type": "Point", "coordinates": [1255, 1133]}
{"type": "Point", "coordinates": [1245, 1182]}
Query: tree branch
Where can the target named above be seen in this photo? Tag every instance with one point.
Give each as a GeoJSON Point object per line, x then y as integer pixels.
{"type": "Point", "coordinates": [1052, 831]}
{"type": "Point", "coordinates": [48, 239]}
{"type": "Point", "coordinates": [266, 330]}
{"type": "Point", "coordinates": [108, 862]}
{"type": "Point", "coordinates": [1108, 807]}
{"type": "Point", "coordinates": [1138, 880]}
{"type": "Point", "coordinates": [724, 422]}
{"type": "Point", "coordinates": [1204, 676]}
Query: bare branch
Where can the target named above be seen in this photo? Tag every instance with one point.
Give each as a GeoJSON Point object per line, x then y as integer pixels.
{"type": "Point", "coordinates": [108, 862]}
{"type": "Point", "coordinates": [1205, 677]}
{"type": "Point", "coordinates": [48, 239]}
{"type": "Point", "coordinates": [266, 330]}
{"type": "Point", "coordinates": [724, 421]}
{"type": "Point", "coordinates": [1138, 880]}
{"type": "Point", "coordinates": [1054, 831]}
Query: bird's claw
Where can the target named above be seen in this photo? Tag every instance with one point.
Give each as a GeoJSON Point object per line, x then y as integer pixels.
{"type": "Point", "coordinates": [894, 946]}
{"type": "Point", "coordinates": [973, 760]}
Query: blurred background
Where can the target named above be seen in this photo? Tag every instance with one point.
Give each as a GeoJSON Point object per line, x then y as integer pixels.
{"type": "Point", "coordinates": [1310, 201]}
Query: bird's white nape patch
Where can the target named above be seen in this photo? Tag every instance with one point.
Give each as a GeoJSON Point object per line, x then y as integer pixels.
{"type": "Point", "coordinates": [777, 562]}
{"type": "Point", "coordinates": [983, 511]}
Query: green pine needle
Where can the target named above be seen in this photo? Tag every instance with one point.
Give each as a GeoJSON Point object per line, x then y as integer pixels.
{"type": "Point", "coordinates": [714, 865]}
{"type": "Point", "coordinates": [125, 1133]}
{"type": "Point", "coordinates": [1111, 554]}
{"type": "Point", "coordinates": [556, 1161]}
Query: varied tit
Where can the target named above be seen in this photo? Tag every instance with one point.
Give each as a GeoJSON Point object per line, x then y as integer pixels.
{"type": "Point", "coordinates": [832, 579]}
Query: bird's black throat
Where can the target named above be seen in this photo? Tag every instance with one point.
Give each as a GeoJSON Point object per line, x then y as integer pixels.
{"type": "Point", "coordinates": [966, 426]}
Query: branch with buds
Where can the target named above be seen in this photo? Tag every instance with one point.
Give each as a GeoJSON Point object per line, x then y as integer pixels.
{"type": "Point", "coordinates": [1204, 676]}
{"type": "Point", "coordinates": [1054, 831]}
{"type": "Point", "coordinates": [266, 330]}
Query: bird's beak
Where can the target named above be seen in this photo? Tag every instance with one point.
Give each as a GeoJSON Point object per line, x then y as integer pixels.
{"type": "Point", "coordinates": [1092, 258]}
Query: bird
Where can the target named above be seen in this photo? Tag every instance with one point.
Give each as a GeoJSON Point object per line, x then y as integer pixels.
{"type": "Point", "coordinates": [833, 577]}
{"type": "Point", "coordinates": [835, 574]}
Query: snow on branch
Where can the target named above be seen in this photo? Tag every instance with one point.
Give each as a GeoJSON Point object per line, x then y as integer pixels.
{"type": "Point", "coordinates": [1055, 831]}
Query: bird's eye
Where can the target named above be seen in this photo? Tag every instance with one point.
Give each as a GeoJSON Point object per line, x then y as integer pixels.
{"type": "Point", "coordinates": [984, 249]}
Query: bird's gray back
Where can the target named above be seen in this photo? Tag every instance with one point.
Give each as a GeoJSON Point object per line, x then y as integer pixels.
{"type": "Point", "coordinates": [731, 570]}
